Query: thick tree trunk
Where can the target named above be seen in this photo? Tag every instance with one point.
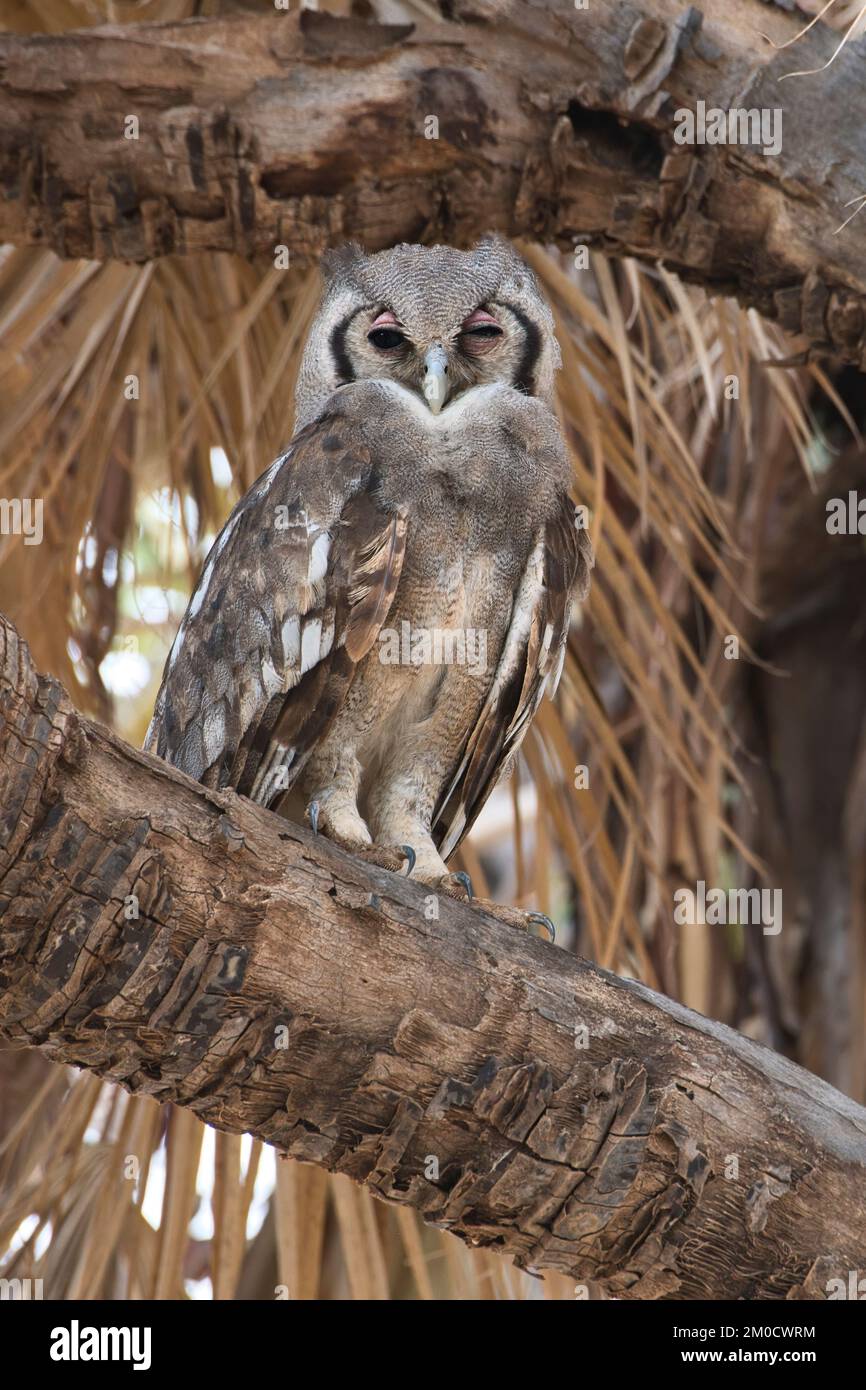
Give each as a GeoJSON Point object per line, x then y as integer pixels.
{"type": "Point", "coordinates": [252, 132]}
{"type": "Point", "coordinates": [511, 1093]}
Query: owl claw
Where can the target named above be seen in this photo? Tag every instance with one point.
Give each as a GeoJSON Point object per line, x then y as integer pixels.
{"type": "Point", "coordinates": [313, 816]}
{"type": "Point", "coordinates": [462, 877]}
{"type": "Point", "coordinates": [543, 921]}
{"type": "Point", "coordinates": [509, 916]}
{"type": "Point", "coordinates": [411, 856]}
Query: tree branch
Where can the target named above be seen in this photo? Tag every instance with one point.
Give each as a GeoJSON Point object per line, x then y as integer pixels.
{"type": "Point", "coordinates": [555, 123]}
{"type": "Point", "coordinates": [276, 986]}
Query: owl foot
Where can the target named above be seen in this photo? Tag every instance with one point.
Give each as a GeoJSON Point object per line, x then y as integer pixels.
{"type": "Point", "coordinates": [459, 885]}
{"type": "Point", "coordinates": [351, 834]}
{"type": "Point", "coordinates": [400, 859]}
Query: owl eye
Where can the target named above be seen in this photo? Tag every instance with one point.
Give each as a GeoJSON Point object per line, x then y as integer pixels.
{"type": "Point", "coordinates": [385, 338]}
{"type": "Point", "coordinates": [478, 332]}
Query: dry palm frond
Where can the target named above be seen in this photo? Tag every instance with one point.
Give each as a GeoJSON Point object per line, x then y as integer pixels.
{"type": "Point", "coordinates": [850, 32]}
{"type": "Point", "coordinates": [860, 200]}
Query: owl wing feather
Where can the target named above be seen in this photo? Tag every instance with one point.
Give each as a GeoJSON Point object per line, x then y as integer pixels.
{"type": "Point", "coordinates": [529, 666]}
{"type": "Point", "coordinates": [291, 598]}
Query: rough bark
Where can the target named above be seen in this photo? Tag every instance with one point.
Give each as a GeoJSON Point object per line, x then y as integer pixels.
{"type": "Point", "coordinates": [276, 986]}
{"type": "Point", "coordinates": [555, 123]}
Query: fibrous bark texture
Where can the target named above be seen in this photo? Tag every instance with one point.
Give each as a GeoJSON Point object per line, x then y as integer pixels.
{"type": "Point", "coordinates": [196, 948]}
{"type": "Point", "coordinates": [248, 132]}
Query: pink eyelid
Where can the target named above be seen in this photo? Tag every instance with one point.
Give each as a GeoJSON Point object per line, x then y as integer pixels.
{"type": "Point", "coordinates": [477, 318]}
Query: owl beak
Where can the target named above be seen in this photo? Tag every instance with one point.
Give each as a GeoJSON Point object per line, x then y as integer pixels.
{"type": "Point", "coordinates": [436, 377]}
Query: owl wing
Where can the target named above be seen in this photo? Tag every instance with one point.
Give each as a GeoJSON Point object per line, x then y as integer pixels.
{"type": "Point", "coordinates": [291, 598]}
{"type": "Point", "coordinates": [529, 666]}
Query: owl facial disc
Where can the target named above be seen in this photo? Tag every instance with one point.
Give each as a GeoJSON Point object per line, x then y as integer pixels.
{"type": "Point", "coordinates": [436, 320]}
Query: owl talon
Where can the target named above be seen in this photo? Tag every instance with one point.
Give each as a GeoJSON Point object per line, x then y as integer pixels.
{"type": "Point", "coordinates": [543, 921]}
{"type": "Point", "coordinates": [390, 857]}
{"type": "Point", "coordinates": [313, 816]}
{"type": "Point", "coordinates": [460, 880]}
{"type": "Point", "coordinates": [509, 916]}
{"type": "Point", "coordinates": [411, 856]}
{"type": "Point", "coordinates": [463, 877]}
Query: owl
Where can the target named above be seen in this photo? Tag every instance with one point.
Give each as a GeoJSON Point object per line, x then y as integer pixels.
{"type": "Point", "coordinates": [382, 613]}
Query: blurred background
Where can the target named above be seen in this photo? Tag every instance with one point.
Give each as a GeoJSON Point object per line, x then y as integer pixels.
{"type": "Point", "coordinates": [710, 724]}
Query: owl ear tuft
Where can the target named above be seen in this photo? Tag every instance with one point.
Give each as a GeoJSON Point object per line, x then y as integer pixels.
{"type": "Point", "coordinates": [341, 262]}
{"type": "Point", "coordinates": [505, 249]}
{"type": "Point", "coordinates": [512, 266]}
{"type": "Point", "coordinates": [493, 239]}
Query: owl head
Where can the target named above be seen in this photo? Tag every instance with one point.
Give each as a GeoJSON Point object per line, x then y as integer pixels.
{"type": "Point", "coordinates": [437, 320]}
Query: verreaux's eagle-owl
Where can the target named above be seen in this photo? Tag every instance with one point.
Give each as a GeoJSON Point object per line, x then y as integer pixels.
{"type": "Point", "coordinates": [383, 611]}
